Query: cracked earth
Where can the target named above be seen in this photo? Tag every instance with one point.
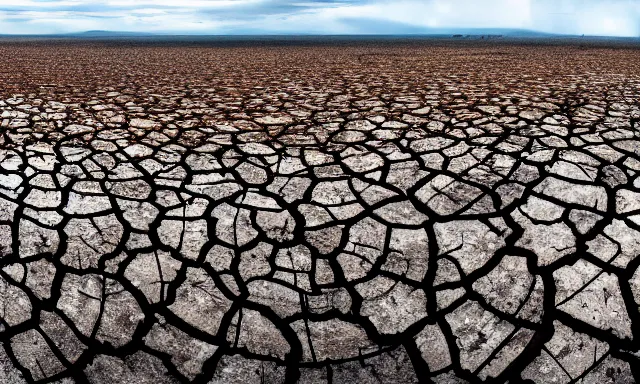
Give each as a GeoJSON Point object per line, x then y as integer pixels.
{"type": "Point", "coordinates": [415, 212]}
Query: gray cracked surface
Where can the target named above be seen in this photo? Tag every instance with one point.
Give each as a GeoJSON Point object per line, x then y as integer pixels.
{"type": "Point", "coordinates": [334, 228]}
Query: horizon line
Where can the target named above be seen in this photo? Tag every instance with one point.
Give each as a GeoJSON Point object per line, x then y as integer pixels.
{"type": "Point", "coordinates": [284, 35]}
{"type": "Point", "coordinates": [454, 32]}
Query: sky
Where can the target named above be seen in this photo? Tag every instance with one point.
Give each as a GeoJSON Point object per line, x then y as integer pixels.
{"type": "Point", "coordinates": [590, 17]}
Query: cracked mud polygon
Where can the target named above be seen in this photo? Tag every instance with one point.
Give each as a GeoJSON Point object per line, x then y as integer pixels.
{"type": "Point", "coordinates": [407, 211]}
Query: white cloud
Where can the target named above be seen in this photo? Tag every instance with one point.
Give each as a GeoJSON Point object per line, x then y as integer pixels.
{"type": "Point", "coordinates": [447, 13]}
{"type": "Point", "coordinates": [596, 17]}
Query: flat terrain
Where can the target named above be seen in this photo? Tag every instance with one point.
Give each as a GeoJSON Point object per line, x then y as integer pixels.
{"type": "Point", "coordinates": [319, 211]}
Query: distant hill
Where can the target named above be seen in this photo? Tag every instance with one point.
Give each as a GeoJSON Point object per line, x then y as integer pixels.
{"type": "Point", "coordinates": [359, 28]}
{"type": "Point", "coordinates": [375, 26]}
{"type": "Point", "coordinates": [497, 32]}
{"type": "Point", "coordinates": [98, 33]}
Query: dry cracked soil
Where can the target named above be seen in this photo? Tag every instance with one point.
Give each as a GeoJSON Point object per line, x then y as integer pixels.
{"type": "Point", "coordinates": [322, 211]}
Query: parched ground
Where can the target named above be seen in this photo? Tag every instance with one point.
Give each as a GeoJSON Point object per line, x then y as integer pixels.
{"type": "Point", "coordinates": [328, 211]}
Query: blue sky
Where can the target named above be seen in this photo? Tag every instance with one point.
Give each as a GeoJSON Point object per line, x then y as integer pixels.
{"type": "Point", "coordinates": [591, 17]}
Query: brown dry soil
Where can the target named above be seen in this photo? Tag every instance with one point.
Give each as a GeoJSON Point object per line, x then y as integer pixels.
{"type": "Point", "coordinates": [329, 211]}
